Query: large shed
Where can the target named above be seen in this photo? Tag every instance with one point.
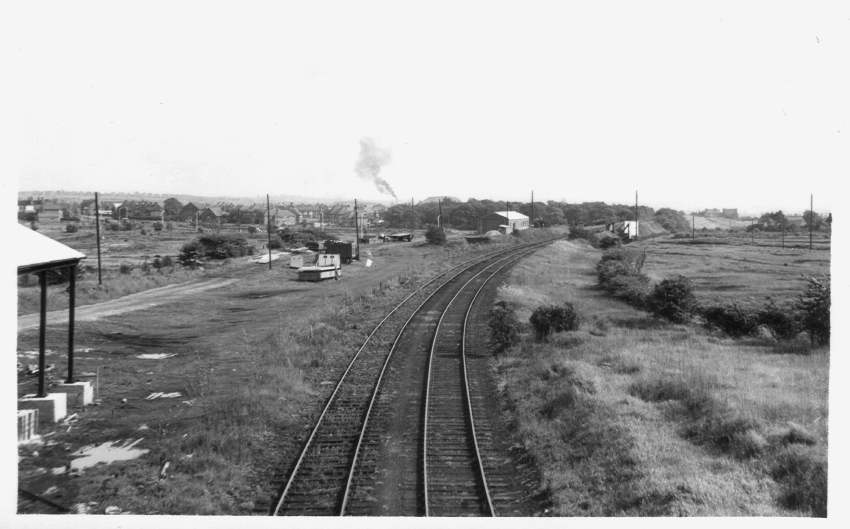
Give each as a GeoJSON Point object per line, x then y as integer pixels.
{"type": "Point", "coordinates": [505, 221]}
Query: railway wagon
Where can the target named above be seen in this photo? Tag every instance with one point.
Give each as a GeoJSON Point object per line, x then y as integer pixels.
{"type": "Point", "coordinates": [345, 250]}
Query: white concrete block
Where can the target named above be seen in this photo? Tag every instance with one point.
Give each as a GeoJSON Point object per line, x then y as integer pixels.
{"type": "Point", "coordinates": [79, 393]}
{"type": "Point", "coordinates": [51, 409]}
{"type": "Point", "coordinates": [27, 425]}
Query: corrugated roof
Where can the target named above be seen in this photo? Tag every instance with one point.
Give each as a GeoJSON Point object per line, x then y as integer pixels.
{"type": "Point", "coordinates": [511, 215]}
{"type": "Point", "coordinates": [32, 249]}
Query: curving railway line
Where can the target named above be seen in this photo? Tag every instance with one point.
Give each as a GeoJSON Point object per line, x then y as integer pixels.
{"type": "Point", "coordinates": [398, 435]}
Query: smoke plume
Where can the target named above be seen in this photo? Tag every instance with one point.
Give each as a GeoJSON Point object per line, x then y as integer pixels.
{"type": "Point", "coordinates": [372, 159]}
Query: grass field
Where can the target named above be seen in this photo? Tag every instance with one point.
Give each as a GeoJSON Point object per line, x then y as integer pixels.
{"type": "Point", "coordinates": [730, 268]}
{"type": "Point", "coordinates": [630, 415]}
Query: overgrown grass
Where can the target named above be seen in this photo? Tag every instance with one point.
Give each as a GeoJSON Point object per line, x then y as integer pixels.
{"type": "Point", "coordinates": [703, 420]}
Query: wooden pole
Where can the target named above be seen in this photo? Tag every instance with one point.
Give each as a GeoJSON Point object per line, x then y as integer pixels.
{"type": "Point", "coordinates": [440, 213]}
{"type": "Point", "coordinates": [72, 289]}
{"type": "Point", "coordinates": [97, 235]}
{"type": "Point", "coordinates": [412, 217]}
{"type": "Point", "coordinates": [693, 226]}
{"type": "Point", "coordinates": [356, 232]}
{"type": "Point", "coordinates": [269, 229]}
{"type": "Point", "coordinates": [42, 327]}
{"type": "Point", "coordinates": [811, 218]}
{"type": "Point", "coordinates": [636, 214]}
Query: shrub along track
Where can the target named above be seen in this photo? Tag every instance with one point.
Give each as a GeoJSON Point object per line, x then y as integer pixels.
{"type": "Point", "coordinates": [337, 471]}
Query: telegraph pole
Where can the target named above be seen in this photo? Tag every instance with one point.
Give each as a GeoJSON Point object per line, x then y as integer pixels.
{"type": "Point", "coordinates": [811, 218]}
{"type": "Point", "coordinates": [693, 225]}
{"type": "Point", "coordinates": [269, 229]}
{"type": "Point", "coordinates": [412, 217]}
{"type": "Point", "coordinates": [532, 208]}
{"type": "Point", "coordinates": [97, 234]}
{"type": "Point", "coordinates": [636, 214]}
{"type": "Point", "coordinates": [440, 213]}
{"type": "Point", "coordinates": [356, 232]}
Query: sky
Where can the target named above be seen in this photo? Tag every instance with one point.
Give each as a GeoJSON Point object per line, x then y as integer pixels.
{"type": "Point", "coordinates": [709, 104]}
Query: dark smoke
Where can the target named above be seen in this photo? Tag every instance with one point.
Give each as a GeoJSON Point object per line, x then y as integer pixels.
{"type": "Point", "coordinates": [372, 159]}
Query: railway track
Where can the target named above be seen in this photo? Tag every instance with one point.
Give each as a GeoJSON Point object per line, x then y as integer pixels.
{"type": "Point", "coordinates": [335, 471]}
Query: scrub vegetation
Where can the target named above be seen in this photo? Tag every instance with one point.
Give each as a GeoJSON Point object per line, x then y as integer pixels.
{"type": "Point", "coordinates": [634, 414]}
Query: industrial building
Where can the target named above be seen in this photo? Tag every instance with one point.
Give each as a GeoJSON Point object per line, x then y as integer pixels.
{"type": "Point", "coordinates": [504, 221]}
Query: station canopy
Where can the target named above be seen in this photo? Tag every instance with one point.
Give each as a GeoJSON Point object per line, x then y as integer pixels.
{"type": "Point", "coordinates": [35, 252]}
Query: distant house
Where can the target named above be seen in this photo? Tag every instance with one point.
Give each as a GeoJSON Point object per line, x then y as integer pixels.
{"type": "Point", "coordinates": [50, 210]}
{"type": "Point", "coordinates": [189, 212]}
{"type": "Point", "coordinates": [211, 216]}
{"type": "Point", "coordinates": [730, 213]}
{"type": "Point", "coordinates": [504, 221]}
{"type": "Point", "coordinates": [139, 210]}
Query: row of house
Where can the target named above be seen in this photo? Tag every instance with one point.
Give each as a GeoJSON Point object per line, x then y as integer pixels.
{"type": "Point", "coordinates": [171, 209]}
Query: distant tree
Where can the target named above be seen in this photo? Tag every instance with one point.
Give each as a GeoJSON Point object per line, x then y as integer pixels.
{"type": "Point", "coordinates": [462, 217]}
{"type": "Point", "coordinates": [775, 221]}
{"type": "Point", "coordinates": [435, 235]}
{"type": "Point", "coordinates": [172, 208]}
{"type": "Point", "coordinates": [671, 220]}
{"type": "Point", "coordinates": [811, 218]}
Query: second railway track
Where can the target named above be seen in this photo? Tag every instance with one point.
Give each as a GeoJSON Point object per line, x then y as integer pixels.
{"type": "Point", "coordinates": [342, 468]}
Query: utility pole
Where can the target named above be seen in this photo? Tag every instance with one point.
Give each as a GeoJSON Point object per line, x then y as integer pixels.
{"type": "Point", "coordinates": [636, 214]}
{"type": "Point", "coordinates": [412, 217]}
{"type": "Point", "coordinates": [269, 229]}
{"type": "Point", "coordinates": [693, 225]}
{"type": "Point", "coordinates": [440, 213]}
{"type": "Point", "coordinates": [811, 218]}
{"type": "Point", "coordinates": [356, 232]}
{"type": "Point", "coordinates": [532, 209]}
{"type": "Point", "coordinates": [97, 234]}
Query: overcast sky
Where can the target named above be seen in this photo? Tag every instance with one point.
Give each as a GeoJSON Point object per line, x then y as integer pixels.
{"type": "Point", "coordinates": [723, 104]}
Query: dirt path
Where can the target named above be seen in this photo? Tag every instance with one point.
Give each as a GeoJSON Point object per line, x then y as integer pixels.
{"type": "Point", "coordinates": [138, 301]}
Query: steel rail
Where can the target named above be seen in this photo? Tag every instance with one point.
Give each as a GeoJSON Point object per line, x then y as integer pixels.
{"type": "Point", "coordinates": [467, 393]}
{"type": "Point", "coordinates": [512, 258]}
{"type": "Point", "coordinates": [308, 443]}
{"type": "Point", "coordinates": [377, 386]}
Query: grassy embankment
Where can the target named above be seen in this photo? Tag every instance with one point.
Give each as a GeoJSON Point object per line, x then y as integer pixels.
{"type": "Point", "coordinates": [254, 363]}
{"type": "Point", "coordinates": [631, 415]}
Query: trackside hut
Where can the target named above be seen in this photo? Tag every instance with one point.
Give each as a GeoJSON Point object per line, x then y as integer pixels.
{"type": "Point", "coordinates": [506, 221]}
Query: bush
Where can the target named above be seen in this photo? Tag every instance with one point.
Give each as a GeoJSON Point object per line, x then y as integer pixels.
{"type": "Point", "coordinates": [803, 478]}
{"type": "Point", "coordinates": [579, 232]}
{"type": "Point", "coordinates": [504, 326]}
{"type": "Point", "coordinates": [618, 272]}
{"type": "Point", "coordinates": [157, 226]}
{"type": "Point", "coordinates": [166, 261]}
{"type": "Point", "coordinates": [554, 318]}
{"type": "Point", "coordinates": [732, 319]}
{"type": "Point", "coordinates": [632, 288]}
{"type": "Point", "coordinates": [252, 229]}
{"type": "Point", "coordinates": [673, 299]}
{"type": "Point", "coordinates": [435, 235]}
{"type": "Point", "coordinates": [143, 231]}
{"type": "Point", "coordinates": [71, 228]}
{"type": "Point", "coordinates": [125, 268]}
{"type": "Point", "coordinates": [814, 305]}
{"type": "Point", "coordinates": [214, 246]}
{"type": "Point", "coordinates": [782, 321]}
{"type": "Point", "coordinates": [275, 243]}
{"type": "Point", "coordinates": [606, 240]}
